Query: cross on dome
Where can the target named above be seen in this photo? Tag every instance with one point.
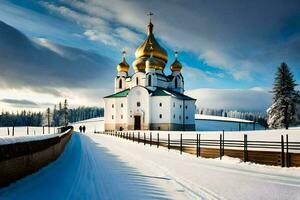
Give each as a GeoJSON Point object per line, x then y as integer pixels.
{"type": "Point", "coordinates": [150, 15]}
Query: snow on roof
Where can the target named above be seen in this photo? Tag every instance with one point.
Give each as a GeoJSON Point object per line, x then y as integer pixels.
{"type": "Point", "coordinates": [220, 118]}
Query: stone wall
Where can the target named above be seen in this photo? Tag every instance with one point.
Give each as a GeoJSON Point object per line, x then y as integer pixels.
{"type": "Point", "coordinates": [21, 159]}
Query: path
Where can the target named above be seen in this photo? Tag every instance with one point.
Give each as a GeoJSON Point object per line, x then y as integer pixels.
{"type": "Point", "coordinates": [106, 167]}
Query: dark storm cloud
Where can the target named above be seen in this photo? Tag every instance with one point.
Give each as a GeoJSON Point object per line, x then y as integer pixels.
{"type": "Point", "coordinates": [45, 66]}
{"type": "Point", "coordinates": [22, 102]}
{"type": "Point", "coordinates": [247, 39]}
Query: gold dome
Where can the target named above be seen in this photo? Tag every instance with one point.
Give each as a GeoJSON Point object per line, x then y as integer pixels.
{"type": "Point", "coordinates": [123, 66]}
{"type": "Point", "coordinates": [154, 63]}
{"type": "Point", "coordinates": [143, 52]}
{"type": "Point", "coordinates": [176, 65]}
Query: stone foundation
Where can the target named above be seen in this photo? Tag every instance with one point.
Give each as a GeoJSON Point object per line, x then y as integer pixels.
{"type": "Point", "coordinates": [156, 126]}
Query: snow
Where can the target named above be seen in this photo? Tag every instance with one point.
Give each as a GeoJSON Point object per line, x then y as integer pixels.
{"type": "Point", "coordinates": [17, 139]}
{"type": "Point", "coordinates": [96, 166]}
{"type": "Point", "coordinates": [92, 125]}
{"type": "Point", "coordinates": [220, 118]}
{"type": "Point", "coordinates": [22, 130]}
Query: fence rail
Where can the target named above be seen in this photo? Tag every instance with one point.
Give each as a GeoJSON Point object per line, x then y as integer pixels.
{"type": "Point", "coordinates": [263, 152]}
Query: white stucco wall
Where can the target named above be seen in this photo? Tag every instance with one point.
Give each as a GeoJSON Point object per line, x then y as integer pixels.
{"type": "Point", "coordinates": [157, 110]}
{"type": "Point", "coordinates": [138, 94]}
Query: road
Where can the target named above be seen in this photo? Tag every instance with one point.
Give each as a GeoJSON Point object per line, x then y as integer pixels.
{"type": "Point", "coordinates": [106, 167]}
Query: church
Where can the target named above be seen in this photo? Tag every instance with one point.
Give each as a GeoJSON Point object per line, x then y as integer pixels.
{"type": "Point", "coordinates": [149, 99]}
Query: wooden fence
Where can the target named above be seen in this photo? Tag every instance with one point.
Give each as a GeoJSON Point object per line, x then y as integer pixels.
{"type": "Point", "coordinates": [262, 152]}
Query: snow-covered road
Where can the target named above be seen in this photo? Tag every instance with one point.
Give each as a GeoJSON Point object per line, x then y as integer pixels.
{"type": "Point", "coordinates": [106, 167]}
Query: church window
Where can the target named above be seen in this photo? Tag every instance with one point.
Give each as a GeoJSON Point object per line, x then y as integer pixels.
{"type": "Point", "coordinates": [176, 83]}
{"type": "Point", "coordinates": [160, 104]}
{"type": "Point", "coordinates": [138, 104]}
{"type": "Point", "coordinates": [112, 105]}
{"type": "Point", "coordinates": [121, 116]}
{"type": "Point", "coordinates": [186, 107]}
{"type": "Point", "coordinates": [121, 105]}
{"type": "Point", "coordinates": [179, 117]}
{"type": "Point", "coordinates": [174, 116]}
{"type": "Point", "coordinates": [149, 80]}
{"type": "Point", "coordinates": [186, 117]}
{"type": "Point", "coordinates": [137, 81]}
{"type": "Point", "coordinates": [160, 115]}
{"type": "Point", "coordinates": [180, 106]}
{"type": "Point", "coordinates": [174, 104]}
{"type": "Point", "coordinates": [112, 117]}
{"type": "Point", "coordinates": [120, 83]}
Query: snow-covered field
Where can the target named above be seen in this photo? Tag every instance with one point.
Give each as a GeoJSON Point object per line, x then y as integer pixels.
{"type": "Point", "coordinates": [96, 166]}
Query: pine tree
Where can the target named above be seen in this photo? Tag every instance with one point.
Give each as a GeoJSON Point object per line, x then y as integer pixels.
{"type": "Point", "coordinates": [282, 112]}
{"type": "Point", "coordinates": [66, 113]}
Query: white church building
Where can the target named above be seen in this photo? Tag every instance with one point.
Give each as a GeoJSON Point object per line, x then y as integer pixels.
{"type": "Point", "coordinates": [149, 99]}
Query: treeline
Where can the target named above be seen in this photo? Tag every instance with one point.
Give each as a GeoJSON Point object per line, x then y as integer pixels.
{"type": "Point", "coordinates": [252, 116]}
{"type": "Point", "coordinates": [83, 113]}
{"type": "Point", "coordinates": [61, 115]}
{"type": "Point", "coordinates": [56, 115]}
{"type": "Point", "coordinates": [24, 118]}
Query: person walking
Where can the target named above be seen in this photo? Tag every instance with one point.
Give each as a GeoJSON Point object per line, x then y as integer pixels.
{"type": "Point", "coordinates": [83, 128]}
{"type": "Point", "coordinates": [80, 128]}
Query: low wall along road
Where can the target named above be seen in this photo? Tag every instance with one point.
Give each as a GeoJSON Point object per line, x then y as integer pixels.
{"type": "Point", "coordinates": [20, 159]}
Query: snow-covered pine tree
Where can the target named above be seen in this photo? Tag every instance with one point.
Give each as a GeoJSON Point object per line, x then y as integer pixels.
{"type": "Point", "coordinates": [65, 113]}
{"type": "Point", "coordinates": [282, 112]}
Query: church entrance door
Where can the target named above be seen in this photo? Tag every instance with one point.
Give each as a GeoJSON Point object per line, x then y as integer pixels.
{"type": "Point", "coordinates": [137, 122]}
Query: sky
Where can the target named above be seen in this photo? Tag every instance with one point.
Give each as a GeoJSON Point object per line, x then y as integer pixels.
{"type": "Point", "coordinates": [56, 49]}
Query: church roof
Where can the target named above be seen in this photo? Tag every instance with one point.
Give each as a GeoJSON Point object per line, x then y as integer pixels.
{"type": "Point", "coordinates": [164, 92]}
{"type": "Point", "coordinates": [122, 93]}
{"type": "Point", "coordinates": [158, 92]}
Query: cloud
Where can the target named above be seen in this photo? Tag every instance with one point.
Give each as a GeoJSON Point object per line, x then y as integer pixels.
{"type": "Point", "coordinates": [254, 99]}
{"type": "Point", "coordinates": [238, 37]}
{"type": "Point", "coordinates": [19, 102]}
{"type": "Point", "coordinates": [42, 64]}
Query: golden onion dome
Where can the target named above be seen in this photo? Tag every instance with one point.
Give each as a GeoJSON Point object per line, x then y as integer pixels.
{"type": "Point", "coordinates": [152, 62]}
{"type": "Point", "coordinates": [176, 65]}
{"type": "Point", "coordinates": [143, 52]}
{"type": "Point", "coordinates": [123, 66]}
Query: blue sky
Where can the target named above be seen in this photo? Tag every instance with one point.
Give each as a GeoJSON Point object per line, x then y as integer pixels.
{"type": "Point", "coordinates": [225, 45]}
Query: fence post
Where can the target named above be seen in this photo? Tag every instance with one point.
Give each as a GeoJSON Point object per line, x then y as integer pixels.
{"type": "Point", "coordinates": [199, 144]}
{"type": "Point", "coordinates": [197, 153]}
{"type": "Point", "coordinates": [144, 138]}
{"type": "Point", "coordinates": [245, 148]}
{"type": "Point", "coordinates": [138, 137]}
{"type": "Point", "coordinates": [27, 130]}
{"type": "Point", "coordinates": [43, 130]}
{"type": "Point", "coordinates": [282, 151]}
{"type": "Point", "coordinates": [133, 136]}
{"type": "Point", "coordinates": [169, 141]}
{"type": "Point", "coordinates": [220, 146]}
{"type": "Point", "coordinates": [8, 131]}
{"type": "Point", "coordinates": [157, 140]}
{"type": "Point", "coordinates": [13, 131]}
{"type": "Point", "coordinates": [180, 143]}
{"type": "Point", "coordinates": [287, 157]}
{"type": "Point", "coordinates": [150, 139]}
{"type": "Point", "coordinates": [223, 143]}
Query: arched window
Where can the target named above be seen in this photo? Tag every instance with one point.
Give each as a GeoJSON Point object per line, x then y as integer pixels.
{"type": "Point", "coordinates": [176, 83]}
{"type": "Point", "coordinates": [137, 81]}
{"type": "Point", "coordinates": [120, 83]}
{"type": "Point", "coordinates": [149, 80]}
